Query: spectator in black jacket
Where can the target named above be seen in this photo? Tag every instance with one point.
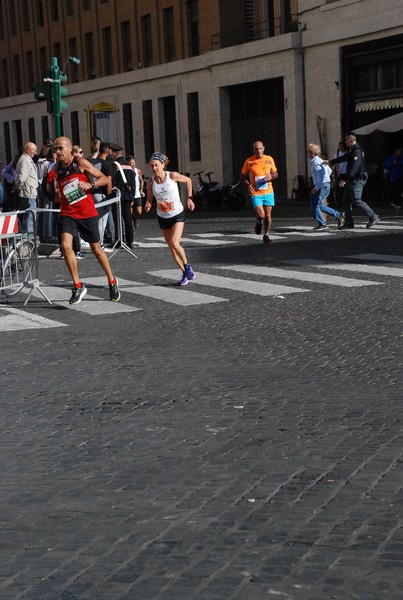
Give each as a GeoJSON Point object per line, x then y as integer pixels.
{"type": "Point", "coordinates": [353, 184]}
{"type": "Point", "coordinates": [124, 179]}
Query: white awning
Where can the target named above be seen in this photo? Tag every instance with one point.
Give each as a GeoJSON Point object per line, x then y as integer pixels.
{"type": "Point", "coordinates": [390, 124]}
{"type": "Point", "coordinates": [384, 104]}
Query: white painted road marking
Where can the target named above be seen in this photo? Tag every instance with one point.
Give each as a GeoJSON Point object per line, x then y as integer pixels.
{"type": "Point", "coordinates": [393, 258]}
{"type": "Point", "coordinates": [355, 267]}
{"type": "Point", "coordinates": [17, 320]}
{"type": "Point", "coordinates": [240, 285]}
{"type": "Point", "coordinates": [300, 275]}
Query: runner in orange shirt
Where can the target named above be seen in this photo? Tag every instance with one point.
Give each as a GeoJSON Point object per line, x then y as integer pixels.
{"type": "Point", "coordinates": [257, 173]}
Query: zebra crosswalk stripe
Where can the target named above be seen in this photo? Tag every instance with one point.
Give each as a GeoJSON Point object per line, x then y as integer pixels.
{"type": "Point", "coordinates": [91, 305]}
{"type": "Point", "coordinates": [354, 267]}
{"type": "Point", "coordinates": [172, 294]}
{"type": "Point", "coordinates": [393, 258]}
{"type": "Point", "coordinates": [240, 285]}
{"type": "Point", "coordinates": [300, 275]}
{"type": "Point", "coordinates": [17, 320]}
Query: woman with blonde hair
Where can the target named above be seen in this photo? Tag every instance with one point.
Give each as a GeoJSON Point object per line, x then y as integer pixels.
{"type": "Point", "coordinates": [163, 186]}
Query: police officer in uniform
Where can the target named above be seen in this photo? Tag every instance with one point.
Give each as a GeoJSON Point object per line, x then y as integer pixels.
{"type": "Point", "coordinates": [356, 178]}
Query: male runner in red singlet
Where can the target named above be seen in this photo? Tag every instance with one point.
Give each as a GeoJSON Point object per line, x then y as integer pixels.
{"type": "Point", "coordinates": [78, 214]}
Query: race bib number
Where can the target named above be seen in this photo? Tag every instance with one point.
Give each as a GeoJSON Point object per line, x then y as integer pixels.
{"type": "Point", "coordinates": [72, 192]}
{"type": "Point", "coordinates": [261, 184]}
{"type": "Point", "coordinates": [166, 206]}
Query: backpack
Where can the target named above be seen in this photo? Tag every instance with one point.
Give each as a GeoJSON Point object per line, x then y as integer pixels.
{"type": "Point", "coordinates": [125, 181]}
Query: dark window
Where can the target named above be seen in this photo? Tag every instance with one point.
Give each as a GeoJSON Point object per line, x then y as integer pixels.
{"type": "Point", "coordinates": [29, 67]}
{"type": "Point", "coordinates": [103, 1]}
{"type": "Point", "coordinates": [89, 55]}
{"type": "Point", "coordinates": [57, 50]}
{"type": "Point", "coordinates": [107, 50]}
{"type": "Point", "coordinates": [45, 127]}
{"type": "Point", "coordinates": [17, 129]}
{"type": "Point", "coordinates": [43, 64]}
{"type": "Point", "coordinates": [31, 129]}
{"type": "Point", "coordinates": [126, 46]}
{"type": "Point", "coordinates": [169, 35]}
{"type": "Point", "coordinates": [86, 5]}
{"type": "Point", "coordinates": [128, 128]}
{"type": "Point", "coordinates": [1, 21]}
{"type": "Point", "coordinates": [17, 74]}
{"type": "Point", "coordinates": [270, 18]}
{"type": "Point", "coordinates": [12, 14]}
{"type": "Point", "coordinates": [73, 69]}
{"type": "Point", "coordinates": [69, 8]}
{"type": "Point", "coordinates": [4, 79]}
{"type": "Point", "coordinates": [148, 127]}
{"type": "Point", "coordinates": [54, 10]}
{"type": "Point", "coordinates": [25, 6]}
{"type": "Point", "coordinates": [193, 13]}
{"type": "Point", "coordinates": [194, 126]}
{"type": "Point", "coordinates": [7, 141]}
{"type": "Point", "coordinates": [39, 13]}
{"type": "Point", "coordinates": [146, 36]}
{"type": "Point", "coordinates": [75, 129]}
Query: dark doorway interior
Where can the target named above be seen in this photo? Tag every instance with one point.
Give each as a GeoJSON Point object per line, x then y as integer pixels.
{"type": "Point", "coordinates": [257, 113]}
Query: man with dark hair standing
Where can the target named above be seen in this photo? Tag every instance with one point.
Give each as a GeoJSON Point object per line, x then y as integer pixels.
{"type": "Point", "coordinates": [125, 180]}
{"type": "Point", "coordinates": [95, 143]}
{"type": "Point", "coordinates": [78, 213]}
{"type": "Point", "coordinates": [355, 179]}
{"type": "Point", "coordinates": [100, 193]}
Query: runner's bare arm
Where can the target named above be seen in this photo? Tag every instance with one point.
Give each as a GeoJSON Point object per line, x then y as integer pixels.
{"type": "Point", "coordinates": [89, 169]}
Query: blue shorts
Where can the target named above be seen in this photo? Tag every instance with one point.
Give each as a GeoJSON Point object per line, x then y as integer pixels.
{"type": "Point", "coordinates": [263, 200]}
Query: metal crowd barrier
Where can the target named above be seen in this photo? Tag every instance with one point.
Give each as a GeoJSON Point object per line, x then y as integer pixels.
{"type": "Point", "coordinates": [119, 244]}
{"type": "Point", "coordinates": [19, 264]}
{"type": "Point", "coordinates": [19, 267]}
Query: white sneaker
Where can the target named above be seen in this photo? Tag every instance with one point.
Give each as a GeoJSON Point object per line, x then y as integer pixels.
{"type": "Point", "coordinates": [107, 250]}
{"type": "Point", "coordinates": [85, 245]}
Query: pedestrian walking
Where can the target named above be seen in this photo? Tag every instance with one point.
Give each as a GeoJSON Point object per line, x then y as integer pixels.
{"type": "Point", "coordinates": [258, 173]}
{"type": "Point", "coordinates": [355, 179]}
{"type": "Point", "coordinates": [321, 189]}
{"type": "Point", "coordinates": [78, 214]}
{"type": "Point", "coordinates": [163, 185]}
{"type": "Point", "coordinates": [393, 171]}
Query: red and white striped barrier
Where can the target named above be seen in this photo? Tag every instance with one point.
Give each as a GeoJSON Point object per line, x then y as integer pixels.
{"type": "Point", "coordinates": [8, 224]}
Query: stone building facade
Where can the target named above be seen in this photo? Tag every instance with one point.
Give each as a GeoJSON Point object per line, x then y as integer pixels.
{"type": "Point", "coordinates": [201, 80]}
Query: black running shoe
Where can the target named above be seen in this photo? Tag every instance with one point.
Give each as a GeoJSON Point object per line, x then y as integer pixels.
{"type": "Point", "coordinates": [77, 294]}
{"type": "Point", "coordinates": [258, 227]}
{"type": "Point", "coordinates": [266, 239]}
{"type": "Point", "coordinates": [114, 294]}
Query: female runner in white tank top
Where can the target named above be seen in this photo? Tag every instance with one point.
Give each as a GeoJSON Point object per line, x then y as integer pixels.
{"type": "Point", "coordinates": [163, 186]}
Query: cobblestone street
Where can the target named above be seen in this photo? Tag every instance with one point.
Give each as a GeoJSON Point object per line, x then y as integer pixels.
{"type": "Point", "coordinates": [241, 442]}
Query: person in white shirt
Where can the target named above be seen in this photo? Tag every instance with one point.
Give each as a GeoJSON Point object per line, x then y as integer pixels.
{"type": "Point", "coordinates": [163, 186]}
{"type": "Point", "coordinates": [321, 189]}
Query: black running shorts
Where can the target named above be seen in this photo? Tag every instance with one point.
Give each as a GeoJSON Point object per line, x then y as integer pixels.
{"type": "Point", "coordinates": [87, 228]}
{"type": "Point", "coordinates": [170, 221]}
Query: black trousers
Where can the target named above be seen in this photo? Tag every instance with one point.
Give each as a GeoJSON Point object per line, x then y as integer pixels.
{"type": "Point", "coordinates": [127, 220]}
